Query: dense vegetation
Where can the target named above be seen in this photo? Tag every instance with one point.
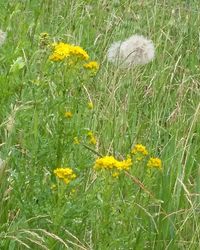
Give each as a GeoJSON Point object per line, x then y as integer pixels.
{"type": "Point", "coordinates": [56, 115]}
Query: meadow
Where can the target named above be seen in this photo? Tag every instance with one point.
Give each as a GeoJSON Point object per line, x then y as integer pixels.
{"type": "Point", "coordinates": [94, 156]}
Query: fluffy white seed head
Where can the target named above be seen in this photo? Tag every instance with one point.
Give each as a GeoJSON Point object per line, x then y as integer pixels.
{"type": "Point", "coordinates": [2, 37]}
{"type": "Point", "coordinates": [134, 50]}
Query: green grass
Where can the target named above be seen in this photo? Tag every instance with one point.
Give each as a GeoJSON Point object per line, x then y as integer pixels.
{"type": "Point", "coordinates": [156, 105]}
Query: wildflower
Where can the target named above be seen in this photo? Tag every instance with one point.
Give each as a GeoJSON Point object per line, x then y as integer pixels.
{"type": "Point", "coordinates": [90, 105]}
{"type": "Point", "coordinates": [154, 163]}
{"type": "Point", "coordinates": [92, 138]}
{"type": "Point", "coordinates": [134, 50]}
{"type": "Point", "coordinates": [2, 37]}
{"type": "Point", "coordinates": [68, 114]}
{"type": "Point", "coordinates": [76, 141]}
{"type": "Point", "coordinates": [44, 40]}
{"type": "Point", "coordinates": [62, 51]}
{"type": "Point", "coordinates": [124, 165]}
{"type": "Point", "coordinates": [93, 65]}
{"type": "Point", "coordinates": [115, 174]}
{"type": "Point", "coordinates": [109, 162]}
{"type": "Point", "coordinates": [78, 51]}
{"type": "Point", "coordinates": [139, 148]}
{"type": "Point", "coordinates": [65, 174]}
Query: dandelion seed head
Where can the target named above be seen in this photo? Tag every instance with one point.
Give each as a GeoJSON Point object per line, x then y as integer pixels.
{"type": "Point", "coordinates": [114, 52]}
{"type": "Point", "coordinates": [2, 37]}
{"type": "Point", "coordinates": [133, 51]}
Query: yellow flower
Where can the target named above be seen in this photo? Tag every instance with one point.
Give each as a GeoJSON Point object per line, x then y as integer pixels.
{"type": "Point", "coordinates": [93, 65]}
{"type": "Point", "coordinates": [62, 51]}
{"type": "Point", "coordinates": [92, 138]}
{"type": "Point", "coordinates": [115, 174]}
{"type": "Point", "coordinates": [109, 162]}
{"type": "Point", "coordinates": [90, 133]}
{"type": "Point", "coordinates": [76, 141]}
{"type": "Point", "coordinates": [90, 105]}
{"type": "Point", "coordinates": [154, 163]}
{"type": "Point", "coordinates": [68, 114]}
{"type": "Point", "coordinates": [124, 165]}
{"type": "Point", "coordinates": [139, 148]}
{"type": "Point", "coordinates": [78, 51]}
{"type": "Point", "coordinates": [65, 174]}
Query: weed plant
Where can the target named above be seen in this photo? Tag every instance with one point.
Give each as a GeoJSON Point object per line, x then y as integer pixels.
{"type": "Point", "coordinates": [56, 115]}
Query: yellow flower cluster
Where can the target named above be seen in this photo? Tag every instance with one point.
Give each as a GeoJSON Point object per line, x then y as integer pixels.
{"type": "Point", "coordinates": [92, 138]}
{"type": "Point", "coordinates": [65, 50]}
{"type": "Point", "coordinates": [110, 163]}
{"type": "Point", "coordinates": [154, 163]}
{"type": "Point", "coordinates": [93, 65]}
{"type": "Point", "coordinates": [140, 151]}
{"type": "Point", "coordinates": [139, 148]}
{"type": "Point", "coordinates": [65, 174]}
